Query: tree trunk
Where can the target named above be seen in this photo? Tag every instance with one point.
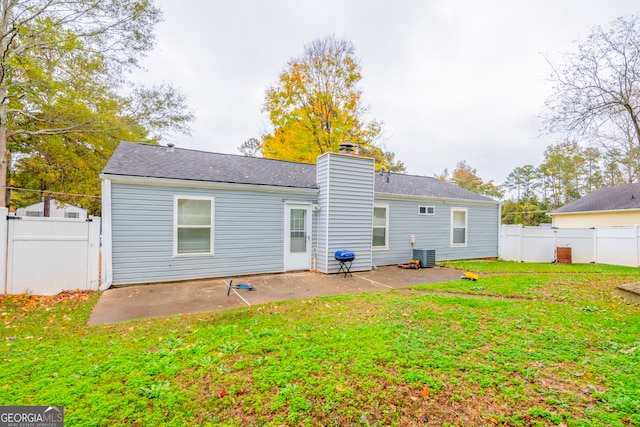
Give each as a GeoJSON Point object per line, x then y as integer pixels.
{"type": "Point", "coordinates": [4, 154]}
{"type": "Point", "coordinates": [47, 205]}
{"type": "Point", "coordinates": [634, 120]}
{"type": "Point", "coordinates": [5, 9]}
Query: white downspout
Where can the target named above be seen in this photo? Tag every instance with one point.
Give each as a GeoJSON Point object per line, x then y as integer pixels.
{"type": "Point", "coordinates": [107, 256]}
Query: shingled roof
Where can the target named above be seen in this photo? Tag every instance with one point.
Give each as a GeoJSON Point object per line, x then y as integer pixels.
{"type": "Point", "coordinates": [619, 197]}
{"type": "Point", "coordinates": [425, 186]}
{"type": "Point", "coordinates": [155, 161]}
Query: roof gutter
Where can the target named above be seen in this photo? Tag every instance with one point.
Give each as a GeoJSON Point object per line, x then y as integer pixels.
{"type": "Point", "coordinates": [449, 200]}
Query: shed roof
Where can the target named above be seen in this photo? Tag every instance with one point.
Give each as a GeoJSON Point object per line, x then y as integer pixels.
{"type": "Point", "coordinates": [619, 197]}
{"type": "Point", "coordinates": [155, 161]}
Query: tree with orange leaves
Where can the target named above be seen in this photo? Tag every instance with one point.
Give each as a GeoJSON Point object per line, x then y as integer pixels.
{"type": "Point", "coordinates": [316, 105]}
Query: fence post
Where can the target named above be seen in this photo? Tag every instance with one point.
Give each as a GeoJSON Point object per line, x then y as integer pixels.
{"type": "Point", "coordinates": [520, 228]}
{"type": "Point", "coordinates": [93, 253]}
{"type": "Point", "coordinates": [595, 244]}
{"type": "Point", "coordinates": [500, 254]}
{"type": "Point", "coordinates": [636, 229]}
{"type": "Point", "coordinates": [3, 248]}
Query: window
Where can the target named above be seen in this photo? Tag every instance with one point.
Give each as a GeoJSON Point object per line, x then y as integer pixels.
{"type": "Point", "coordinates": [298, 230]}
{"type": "Point", "coordinates": [193, 231]}
{"type": "Point", "coordinates": [380, 226]}
{"type": "Point", "coordinates": [34, 213]}
{"type": "Point", "coordinates": [426, 210]}
{"type": "Point", "coordinates": [71, 215]}
{"type": "Point", "coordinates": [458, 227]}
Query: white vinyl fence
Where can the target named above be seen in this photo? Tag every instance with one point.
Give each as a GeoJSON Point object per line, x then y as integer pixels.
{"type": "Point", "coordinates": [45, 256]}
{"type": "Point", "coordinates": [602, 245]}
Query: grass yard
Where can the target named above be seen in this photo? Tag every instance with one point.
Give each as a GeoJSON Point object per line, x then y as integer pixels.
{"type": "Point", "coordinates": [525, 345]}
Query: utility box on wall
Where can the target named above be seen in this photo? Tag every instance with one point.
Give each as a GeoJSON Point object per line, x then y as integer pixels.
{"type": "Point", "coordinates": [427, 257]}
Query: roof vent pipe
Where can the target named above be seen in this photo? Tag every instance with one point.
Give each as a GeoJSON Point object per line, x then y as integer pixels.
{"type": "Point", "coordinates": [346, 147]}
{"type": "Point", "coordinates": [170, 147]}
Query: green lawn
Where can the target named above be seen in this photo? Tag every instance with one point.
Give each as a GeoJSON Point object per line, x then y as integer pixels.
{"type": "Point", "coordinates": [525, 345]}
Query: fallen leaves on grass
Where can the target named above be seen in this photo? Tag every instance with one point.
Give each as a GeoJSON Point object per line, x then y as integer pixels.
{"type": "Point", "coordinates": [30, 302]}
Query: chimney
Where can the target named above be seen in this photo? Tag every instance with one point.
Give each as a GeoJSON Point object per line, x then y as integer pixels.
{"type": "Point", "coordinates": [170, 147]}
{"type": "Point", "coordinates": [346, 147]}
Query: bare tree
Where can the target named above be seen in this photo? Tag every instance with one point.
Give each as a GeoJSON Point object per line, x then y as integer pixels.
{"type": "Point", "coordinates": [596, 94]}
{"type": "Point", "coordinates": [250, 148]}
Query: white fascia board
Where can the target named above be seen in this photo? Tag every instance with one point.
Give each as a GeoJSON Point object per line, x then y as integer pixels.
{"type": "Point", "coordinates": [594, 212]}
{"type": "Point", "coordinates": [169, 182]}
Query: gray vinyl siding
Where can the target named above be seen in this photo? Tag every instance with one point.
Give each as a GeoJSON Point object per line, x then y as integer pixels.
{"type": "Point", "coordinates": [248, 234]}
{"type": "Point", "coordinates": [482, 234]}
{"type": "Point", "coordinates": [322, 259]}
{"type": "Point", "coordinates": [346, 203]}
{"type": "Point", "coordinates": [434, 231]}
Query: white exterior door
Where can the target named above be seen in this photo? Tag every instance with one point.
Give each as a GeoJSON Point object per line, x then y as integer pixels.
{"type": "Point", "coordinates": [297, 237]}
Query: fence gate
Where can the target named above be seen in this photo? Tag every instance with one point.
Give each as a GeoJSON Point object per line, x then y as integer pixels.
{"type": "Point", "coordinates": [48, 255]}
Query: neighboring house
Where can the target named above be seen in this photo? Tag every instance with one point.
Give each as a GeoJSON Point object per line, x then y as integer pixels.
{"type": "Point", "coordinates": [177, 214]}
{"type": "Point", "coordinates": [58, 210]}
{"type": "Point", "coordinates": [606, 207]}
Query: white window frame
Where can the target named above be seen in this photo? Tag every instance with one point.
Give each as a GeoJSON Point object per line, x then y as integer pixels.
{"type": "Point", "coordinates": [466, 227]}
{"type": "Point", "coordinates": [72, 214]}
{"type": "Point", "coordinates": [175, 226]}
{"type": "Point", "coordinates": [386, 227]}
{"type": "Point", "coordinates": [426, 210]}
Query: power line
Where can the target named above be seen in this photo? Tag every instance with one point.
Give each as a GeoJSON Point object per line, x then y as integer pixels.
{"type": "Point", "coordinates": [525, 212]}
{"type": "Point", "coordinates": [53, 192]}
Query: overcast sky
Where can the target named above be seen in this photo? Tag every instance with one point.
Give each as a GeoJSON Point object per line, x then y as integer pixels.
{"type": "Point", "coordinates": [452, 80]}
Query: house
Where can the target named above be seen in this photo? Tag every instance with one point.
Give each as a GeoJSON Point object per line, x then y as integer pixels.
{"type": "Point", "coordinates": [58, 210]}
{"type": "Point", "coordinates": [607, 207]}
{"type": "Point", "coordinates": [178, 214]}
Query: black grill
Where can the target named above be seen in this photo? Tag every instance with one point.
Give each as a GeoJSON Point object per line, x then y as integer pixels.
{"type": "Point", "coordinates": [344, 258]}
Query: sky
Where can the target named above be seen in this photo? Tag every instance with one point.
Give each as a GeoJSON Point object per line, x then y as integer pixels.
{"type": "Point", "coordinates": [451, 80]}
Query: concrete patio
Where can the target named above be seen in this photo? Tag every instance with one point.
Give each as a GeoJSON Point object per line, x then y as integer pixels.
{"type": "Point", "coordinates": [163, 299]}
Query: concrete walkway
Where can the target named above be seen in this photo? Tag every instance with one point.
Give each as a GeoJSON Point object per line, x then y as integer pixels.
{"type": "Point", "coordinates": [158, 300]}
